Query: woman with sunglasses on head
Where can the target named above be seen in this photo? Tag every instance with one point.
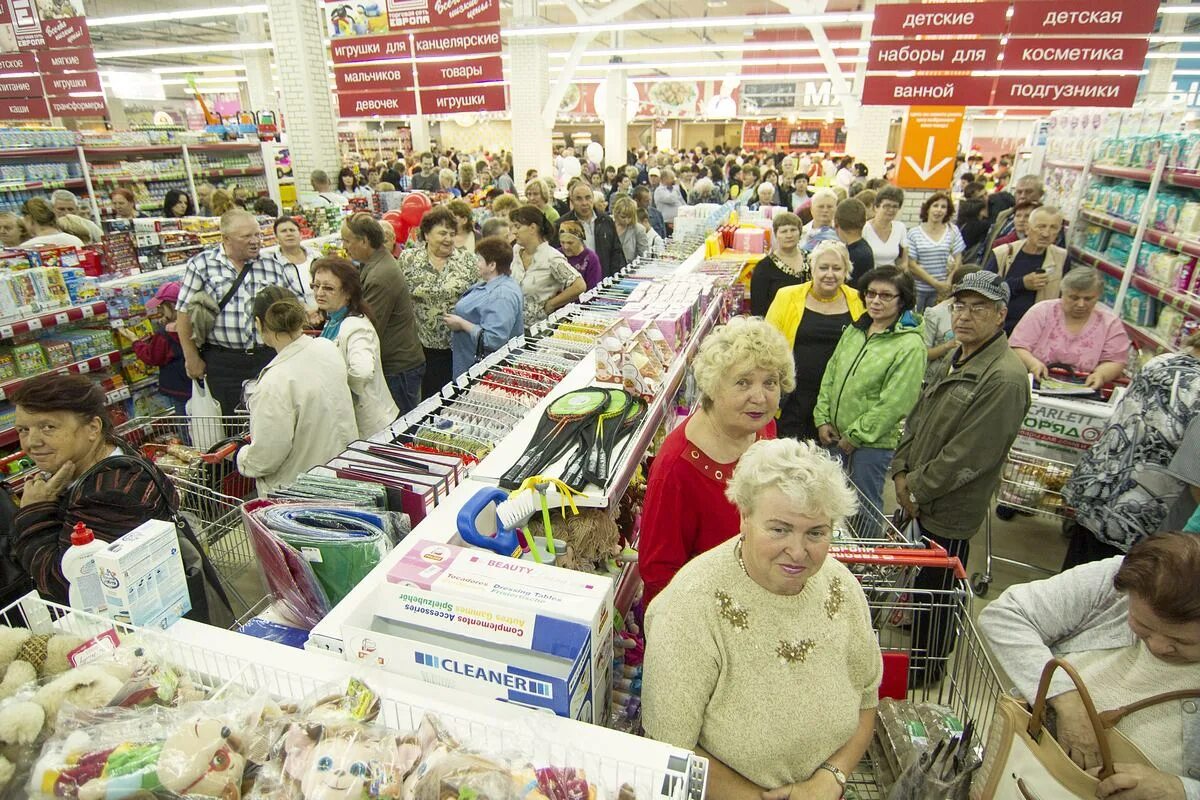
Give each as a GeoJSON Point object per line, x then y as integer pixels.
{"type": "Point", "coordinates": [872, 381]}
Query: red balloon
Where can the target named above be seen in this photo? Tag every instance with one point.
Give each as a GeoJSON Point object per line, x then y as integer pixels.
{"type": "Point", "coordinates": [393, 216]}
{"type": "Point", "coordinates": [414, 207]}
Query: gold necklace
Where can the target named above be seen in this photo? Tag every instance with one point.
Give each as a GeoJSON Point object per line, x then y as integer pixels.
{"type": "Point", "coordinates": [820, 299]}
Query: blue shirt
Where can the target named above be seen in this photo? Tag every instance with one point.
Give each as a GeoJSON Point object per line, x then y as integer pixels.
{"type": "Point", "coordinates": [497, 310]}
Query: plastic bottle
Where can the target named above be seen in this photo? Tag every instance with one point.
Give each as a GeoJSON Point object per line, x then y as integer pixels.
{"type": "Point", "coordinates": [79, 568]}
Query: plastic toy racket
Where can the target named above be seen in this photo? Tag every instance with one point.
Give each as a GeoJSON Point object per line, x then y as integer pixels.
{"type": "Point", "coordinates": [558, 429]}
{"type": "Point", "coordinates": [634, 414]}
{"type": "Point", "coordinates": [592, 438]}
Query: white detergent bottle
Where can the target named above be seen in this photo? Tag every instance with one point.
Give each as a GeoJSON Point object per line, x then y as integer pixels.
{"type": "Point", "coordinates": [79, 568]}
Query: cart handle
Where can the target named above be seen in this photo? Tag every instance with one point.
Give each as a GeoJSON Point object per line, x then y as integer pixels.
{"type": "Point", "coordinates": [933, 556]}
{"type": "Point", "coordinates": [225, 450]}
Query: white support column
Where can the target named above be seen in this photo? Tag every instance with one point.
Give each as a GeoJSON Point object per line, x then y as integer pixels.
{"type": "Point", "coordinates": [421, 140]}
{"type": "Point", "coordinates": [616, 115]}
{"type": "Point", "coordinates": [867, 139]}
{"type": "Point", "coordinates": [308, 112]}
{"type": "Point", "coordinates": [260, 88]}
{"type": "Point", "coordinates": [528, 91]}
{"type": "Point", "coordinates": [1157, 86]}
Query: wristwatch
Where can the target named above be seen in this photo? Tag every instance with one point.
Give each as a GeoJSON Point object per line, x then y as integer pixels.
{"type": "Point", "coordinates": [838, 775]}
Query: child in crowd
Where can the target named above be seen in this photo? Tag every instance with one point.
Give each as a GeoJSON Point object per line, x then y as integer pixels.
{"type": "Point", "coordinates": [162, 348]}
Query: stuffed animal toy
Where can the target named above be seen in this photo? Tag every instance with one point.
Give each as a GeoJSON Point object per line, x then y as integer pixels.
{"type": "Point", "coordinates": [352, 763]}
{"type": "Point", "coordinates": [591, 535]}
{"type": "Point", "coordinates": [26, 656]}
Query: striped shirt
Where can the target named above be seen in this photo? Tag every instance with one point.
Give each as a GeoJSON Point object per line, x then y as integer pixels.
{"type": "Point", "coordinates": [933, 256]}
{"type": "Point", "coordinates": [212, 272]}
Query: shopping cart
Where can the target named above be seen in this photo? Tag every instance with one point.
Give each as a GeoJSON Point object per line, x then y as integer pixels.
{"type": "Point", "coordinates": [932, 652]}
{"type": "Point", "coordinates": [1055, 434]}
{"type": "Point", "coordinates": [167, 441]}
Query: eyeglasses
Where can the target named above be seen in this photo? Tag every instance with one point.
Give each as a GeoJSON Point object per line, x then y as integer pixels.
{"type": "Point", "coordinates": [889, 206]}
{"type": "Point", "coordinates": [974, 309]}
{"type": "Point", "coordinates": [886, 297]}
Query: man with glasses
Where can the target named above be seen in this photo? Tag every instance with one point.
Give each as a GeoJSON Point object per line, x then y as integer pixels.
{"type": "Point", "coordinates": [220, 284]}
{"type": "Point", "coordinates": [947, 465]}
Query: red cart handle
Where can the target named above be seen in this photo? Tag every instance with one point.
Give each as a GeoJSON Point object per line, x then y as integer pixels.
{"type": "Point", "coordinates": [225, 450]}
{"type": "Point", "coordinates": [932, 556]}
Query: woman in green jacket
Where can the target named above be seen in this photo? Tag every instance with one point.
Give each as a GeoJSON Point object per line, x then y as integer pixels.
{"type": "Point", "coordinates": [873, 380]}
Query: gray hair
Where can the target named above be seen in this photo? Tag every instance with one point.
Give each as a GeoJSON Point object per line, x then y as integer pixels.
{"type": "Point", "coordinates": [64, 195]}
{"type": "Point", "coordinates": [803, 471]}
{"type": "Point", "coordinates": [1053, 211]}
{"type": "Point", "coordinates": [319, 178]}
{"type": "Point", "coordinates": [703, 187]}
{"type": "Point", "coordinates": [232, 217]}
{"type": "Point", "coordinates": [825, 194]}
{"type": "Point", "coordinates": [1083, 278]}
{"type": "Point", "coordinates": [740, 342]}
{"type": "Point", "coordinates": [770, 187]}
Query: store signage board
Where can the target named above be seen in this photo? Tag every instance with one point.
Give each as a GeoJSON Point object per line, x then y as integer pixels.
{"type": "Point", "coordinates": [1023, 53]}
{"type": "Point", "coordinates": [926, 90]}
{"type": "Point", "coordinates": [377, 104]}
{"type": "Point", "coordinates": [66, 32]}
{"type": "Point", "coordinates": [934, 55]}
{"type": "Point", "coordinates": [460, 99]}
{"type": "Point", "coordinates": [1105, 91]}
{"type": "Point", "coordinates": [460, 72]}
{"type": "Point", "coordinates": [463, 43]}
{"type": "Point", "coordinates": [441, 13]}
{"type": "Point", "coordinates": [66, 59]}
{"type": "Point", "coordinates": [30, 86]}
{"type": "Point", "coordinates": [369, 48]}
{"type": "Point", "coordinates": [78, 106]}
{"type": "Point", "coordinates": [26, 24]}
{"type": "Point", "coordinates": [1082, 18]}
{"type": "Point", "coordinates": [941, 19]}
{"type": "Point", "coordinates": [28, 108]}
{"type": "Point", "coordinates": [17, 64]}
{"type": "Point", "coordinates": [926, 159]}
{"type": "Point", "coordinates": [72, 82]}
{"type": "Point", "coordinates": [369, 77]}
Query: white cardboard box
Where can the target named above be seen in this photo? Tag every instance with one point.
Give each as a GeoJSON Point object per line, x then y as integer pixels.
{"type": "Point", "coordinates": [143, 578]}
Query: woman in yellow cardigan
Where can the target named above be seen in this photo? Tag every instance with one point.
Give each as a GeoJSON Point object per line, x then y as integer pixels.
{"type": "Point", "coordinates": [812, 317]}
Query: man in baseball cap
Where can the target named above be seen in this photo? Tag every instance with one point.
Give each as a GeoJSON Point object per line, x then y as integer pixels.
{"type": "Point", "coordinates": [947, 465]}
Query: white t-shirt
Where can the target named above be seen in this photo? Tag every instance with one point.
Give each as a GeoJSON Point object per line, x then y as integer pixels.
{"type": "Point", "coordinates": [886, 252]}
{"type": "Point", "coordinates": [59, 239]}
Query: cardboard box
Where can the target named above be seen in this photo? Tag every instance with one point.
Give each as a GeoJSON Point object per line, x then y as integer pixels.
{"type": "Point", "coordinates": [143, 578]}
{"type": "Point", "coordinates": [491, 626]}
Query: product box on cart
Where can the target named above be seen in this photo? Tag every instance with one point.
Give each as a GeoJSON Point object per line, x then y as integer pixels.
{"type": "Point", "coordinates": [493, 626]}
{"type": "Point", "coordinates": [1062, 428]}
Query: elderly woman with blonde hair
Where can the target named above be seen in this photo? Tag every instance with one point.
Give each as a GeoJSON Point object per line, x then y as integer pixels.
{"type": "Point", "coordinates": [538, 195]}
{"type": "Point", "coordinates": [760, 654]}
{"type": "Point", "coordinates": [741, 370]}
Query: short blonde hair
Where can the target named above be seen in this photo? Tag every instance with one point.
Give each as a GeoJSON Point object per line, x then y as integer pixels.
{"type": "Point", "coordinates": [835, 247]}
{"type": "Point", "coordinates": [741, 341]}
{"type": "Point", "coordinates": [803, 471]}
{"type": "Point", "coordinates": [624, 207]}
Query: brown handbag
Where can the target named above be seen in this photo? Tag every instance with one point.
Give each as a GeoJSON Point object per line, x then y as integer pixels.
{"type": "Point", "coordinates": [1023, 762]}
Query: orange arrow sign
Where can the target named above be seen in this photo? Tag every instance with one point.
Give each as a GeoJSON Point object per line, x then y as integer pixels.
{"type": "Point", "coordinates": [926, 159]}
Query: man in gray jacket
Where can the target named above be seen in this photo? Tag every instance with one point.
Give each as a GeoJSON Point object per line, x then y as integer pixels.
{"type": "Point", "coordinates": [947, 465]}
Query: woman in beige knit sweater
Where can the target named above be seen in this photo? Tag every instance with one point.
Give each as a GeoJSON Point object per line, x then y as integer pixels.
{"type": "Point", "coordinates": [760, 653]}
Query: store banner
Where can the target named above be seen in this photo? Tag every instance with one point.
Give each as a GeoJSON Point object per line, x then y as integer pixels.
{"type": "Point", "coordinates": [459, 99]}
{"type": "Point", "coordinates": [26, 23]}
{"type": "Point", "coordinates": [28, 108]}
{"type": "Point", "coordinates": [811, 134]}
{"type": "Point", "coordinates": [1073, 54]}
{"type": "Point", "coordinates": [377, 104]}
{"type": "Point", "coordinates": [28, 86]}
{"type": "Point", "coordinates": [66, 32]}
{"type": "Point", "coordinates": [459, 72]}
{"type": "Point", "coordinates": [78, 106]}
{"type": "Point", "coordinates": [1104, 91]}
{"type": "Point", "coordinates": [1083, 18]}
{"type": "Point", "coordinates": [17, 64]}
{"type": "Point", "coordinates": [483, 40]}
{"type": "Point", "coordinates": [374, 76]}
{"type": "Point", "coordinates": [927, 90]}
{"type": "Point", "coordinates": [441, 13]}
{"type": "Point", "coordinates": [934, 55]}
{"type": "Point", "coordinates": [346, 20]}
{"type": "Point", "coordinates": [927, 153]}
{"type": "Point", "coordinates": [67, 59]}
{"type": "Point", "coordinates": [71, 83]}
{"type": "Point", "coordinates": [369, 48]}
{"type": "Point", "coordinates": [942, 19]}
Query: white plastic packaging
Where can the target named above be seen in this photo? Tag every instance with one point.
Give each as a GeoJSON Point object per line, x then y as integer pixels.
{"type": "Point", "coordinates": [79, 568]}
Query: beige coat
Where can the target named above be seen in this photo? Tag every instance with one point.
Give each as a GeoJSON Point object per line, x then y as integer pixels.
{"type": "Point", "coordinates": [374, 408]}
{"type": "Point", "coordinates": [1055, 260]}
{"type": "Point", "coordinates": [301, 414]}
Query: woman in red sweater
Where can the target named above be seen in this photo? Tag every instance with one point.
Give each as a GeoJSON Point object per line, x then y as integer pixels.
{"type": "Point", "coordinates": [741, 370]}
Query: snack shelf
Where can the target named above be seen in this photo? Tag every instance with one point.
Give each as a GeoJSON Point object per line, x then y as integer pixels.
{"type": "Point", "coordinates": [42, 152]}
{"type": "Point", "coordinates": [70, 183]}
{"type": "Point", "coordinates": [1190, 247]}
{"type": "Point", "coordinates": [52, 318]}
{"type": "Point", "coordinates": [80, 367]}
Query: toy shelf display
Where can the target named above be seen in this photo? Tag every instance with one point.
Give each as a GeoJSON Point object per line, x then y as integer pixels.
{"type": "Point", "coordinates": [1134, 185]}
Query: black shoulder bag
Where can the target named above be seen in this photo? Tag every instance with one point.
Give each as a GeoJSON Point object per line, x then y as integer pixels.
{"type": "Point", "coordinates": [202, 576]}
{"type": "Point", "coordinates": [15, 581]}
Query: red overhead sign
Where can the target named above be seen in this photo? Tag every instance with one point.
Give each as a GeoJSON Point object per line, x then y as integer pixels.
{"type": "Point", "coordinates": [940, 19]}
{"type": "Point", "coordinates": [1076, 18]}
{"type": "Point", "coordinates": [78, 106]}
{"type": "Point", "coordinates": [1100, 90]}
{"type": "Point", "coordinates": [66, 32]}
{"type": "Point", "coordinates": [934, 55]}
{"type": "Point", "coordinates": [21, 87]}
{"type": "Point", "coordinates": [441, 13]}
{"type": "Point", "coordinates": [16, 63]}
{"type": "Point", "coordinates": [1065, 54]}
{"type": "Point", "coordinates": [454, 73]}
{"type": "Point", "coordinates": [926, 90]}
{"type": "Point", "coordinates": [377, 104]}
{"type": "Point", "coordinates": [373, 76]}
{"type": "Point", "coordinates": [369, 48]}
{"type": "Point", "coordinates": [458, 99]}
{"type": "Point", "coordinates": [464, 43]}
{"type": "Point", "coordinates": [66, 58]}
{"type": "Point", "coordinates": [71, 82]}
{"type": "Point", "coordinates": [28, 108]}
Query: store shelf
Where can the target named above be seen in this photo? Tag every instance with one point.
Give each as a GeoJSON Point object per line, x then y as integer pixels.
{"type": "Point", "coordinates": [80, 367]}
{"type": "Point", "coordinates": [1187, 303]}
{"type": "Point", "coordinates": [1146, 339]}
{"type": "Point", "coordinates": [8, 437]}
{"type": "Point", "coordinates": [36, 152]}
{"type": "Point", "coordinates": [230, 173]}
{"type": "Point", "coordinates": [1097, 261]}
{"type": "Point", "coordinates": [144, 383]}
{"type": "Point", "coordinates": [1174, 177]}
{"type": "Point", "coordinates": [69, 183]}
{"type": "Point", "coordinates": [225, 146]}
{"type": "Point", "coordinates": [117, 152]}
{"type": "Point", "coordinates": [117, 179]}
{"type": "Point", "coordinates": [1064, 165]}
{"type": "Point", "coordinates": [1161, 238]}
{"type": "Point", "coordinates": [52, 318]}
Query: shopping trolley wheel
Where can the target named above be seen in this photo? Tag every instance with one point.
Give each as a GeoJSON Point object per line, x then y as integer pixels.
{"type": "Point", "coordinates": [1005, 512]}
{"type": "Point", "coordinates": [980, 584]}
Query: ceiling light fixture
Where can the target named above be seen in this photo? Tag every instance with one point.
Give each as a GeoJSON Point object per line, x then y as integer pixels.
{"type": "Point", "coordinates": [186, 49]}
{"type": "Point", "coordinates": [755, 21]}
{"type": "Point", "coordinates": [733, 47]}
{"type": "Point", "coordinates": [726, 64]}
{"type": "Point", "coordinates": [185, 81]}
{"type": "Point", "coordinates": [198, 68]}
{"type": "Point", "coordinates": [184, 13]}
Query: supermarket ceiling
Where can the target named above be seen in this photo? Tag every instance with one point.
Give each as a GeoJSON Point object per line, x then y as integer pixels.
{"type": "Point", "coordinates": [209, 41]}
